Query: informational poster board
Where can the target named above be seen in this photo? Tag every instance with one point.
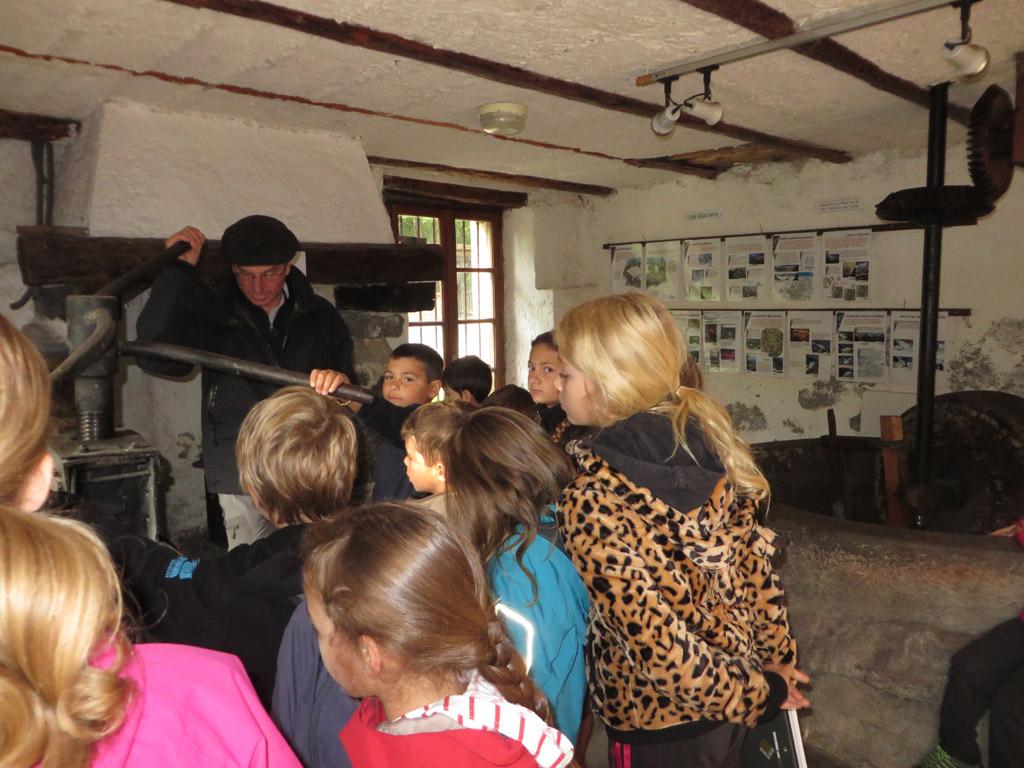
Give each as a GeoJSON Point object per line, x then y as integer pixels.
{"type": "Point", "coordinates": [722, 332]}
{"type": "Point", "coordinates": [688, 321]}
{"type": "Point", "coordinates": [627, 268]}
{"type": "Point", "coordinates": [703, 272]}
{"type": "Point", "coordinates": [848, 273]}
{"type": "Point", "coordinates": [746, 270]}
{"type": "Point", "coordinates": [861, 344]}
{"type": "Point", "coordinates": [663, 271]}
{"type": "Point", "coordinates": [764, 343]}
{"type": "Point", "coordinates": [904, 346]}
{"type": "Point", "coordinates": [794, 259]}
{"type": "Point", "coordinates": [809, 344]}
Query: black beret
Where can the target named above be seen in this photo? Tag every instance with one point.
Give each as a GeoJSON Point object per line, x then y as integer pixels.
{"type": "Point", "coordinates": [257, 241]}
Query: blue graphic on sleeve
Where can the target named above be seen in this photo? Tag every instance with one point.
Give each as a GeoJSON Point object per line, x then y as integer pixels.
{"type": "Point", "coordinates": [181, 568]}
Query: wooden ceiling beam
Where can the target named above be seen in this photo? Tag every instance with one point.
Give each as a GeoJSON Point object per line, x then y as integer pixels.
{"type": "Point", "coordinates": [479, 173]}
{"type": "Point", "coordinates": [768, 22]}
{"type": "Point", "coordinates": [395, 45]}
{"type": "Point", "coordinates": [438, 190]}
{"type": "Point", "coordinates": [25, 126]}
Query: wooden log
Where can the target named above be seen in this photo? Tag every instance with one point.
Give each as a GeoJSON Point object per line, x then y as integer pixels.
{"type": "Point", "coordinates": [22, 125]}
{"type": "Point", "coordinates": [56, 255]}
{"type": "Point", "coordinates": [892, 435]}
{"type": "Point", "coordinates": [411, 297]}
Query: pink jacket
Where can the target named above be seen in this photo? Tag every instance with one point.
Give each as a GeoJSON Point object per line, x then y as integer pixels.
{"type": "Point", "coordinates": [192, 708]}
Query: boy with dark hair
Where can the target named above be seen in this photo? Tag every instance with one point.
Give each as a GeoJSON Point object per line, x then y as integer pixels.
{"type": "Point", "coordinates": [411, 379]}
{"type": "Point", "coordinates": [297, 459]}
{"type": "Point", "coordinates": [425, 432]}
{"type": "Point", "coordinates": [467, 378]}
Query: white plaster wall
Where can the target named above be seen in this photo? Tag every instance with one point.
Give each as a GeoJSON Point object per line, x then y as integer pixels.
{"type": "Point", "coordinates": [17, 208]}
{"type": "Point", "coordinates": [981, 270]}
{"type": "Point", "coordinates": [140, 172]}
{"type": "Point", "coordinates": [529, 310]}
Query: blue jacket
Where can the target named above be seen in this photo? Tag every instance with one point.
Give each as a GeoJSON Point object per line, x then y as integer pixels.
{"type": "Point", "coordinates": [549, 631]}
{"type": "Point", "coordinates": [309, 707]}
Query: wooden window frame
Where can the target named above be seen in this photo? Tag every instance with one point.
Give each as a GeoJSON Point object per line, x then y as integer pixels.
{"type": "Point", "coordinates": [446, 216]}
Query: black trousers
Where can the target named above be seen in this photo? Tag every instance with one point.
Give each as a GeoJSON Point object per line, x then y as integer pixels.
{"type": "Point", "coordinates": [986, 675]}
{"type": "Point", "coordinates": [720, 748]}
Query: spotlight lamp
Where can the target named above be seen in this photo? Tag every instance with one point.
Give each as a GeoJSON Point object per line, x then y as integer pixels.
{"type": "Point", "coordinates": [699, 105]}
{"type": "Point", "coordinates": [968, 59]}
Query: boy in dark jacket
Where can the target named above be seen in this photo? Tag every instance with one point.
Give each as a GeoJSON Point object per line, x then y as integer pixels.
{"type": "Point", "coordinates": [297, 458]}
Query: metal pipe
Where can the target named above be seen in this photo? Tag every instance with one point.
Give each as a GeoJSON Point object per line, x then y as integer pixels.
{"type": "Point", "coordinates": [931, 271]}
{"type": "Point", "coordinates": [119, 284]}
{"type": "Point", "coordinates": [91, 349]}
{"type": "Point", "coordinates": [238, 367]}
{"type": "Point", "coordinates": [48, 151]}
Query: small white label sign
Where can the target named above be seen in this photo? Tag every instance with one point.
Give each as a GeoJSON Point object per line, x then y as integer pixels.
{"type": "Point", "coordinates": [710, 213]}
{"type": "Point", "coordinates": [838, 204]}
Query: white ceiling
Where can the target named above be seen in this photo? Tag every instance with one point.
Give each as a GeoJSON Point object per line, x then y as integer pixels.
{"type": "Point", "coordinates": [104, 45]}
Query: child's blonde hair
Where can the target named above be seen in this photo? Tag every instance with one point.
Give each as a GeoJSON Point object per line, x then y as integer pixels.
{"type": "Point", "coordinates": [297, 454]}
{"type": "Point", "coordinates": [400, 574]}
{"type": "Point", "coordinates": [502, 470]}
{"type": "Point", "coordinates": [24, 410]}
{"type": "Point", "coordinates": [60, 606]}
{"type": "Point", "coordinates": [630, 349]}
{"type": "Point", "coordinates": [432, 425]}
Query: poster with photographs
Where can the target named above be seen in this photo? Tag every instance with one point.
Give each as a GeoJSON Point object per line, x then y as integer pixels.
{"type": "Point", "coordinates": [848, 270]}
{"type": "Point", "coordinates": [745, 268]}
{"type": "Point", "coordinates": [809, 347]}
{"type": "Point", "coordinates": [627, 268]}
{"type": "Point", "coordinates": [663, 264]}
{"type": "Point", "coordinates": [904, 341]}
{"type": "Point", "coordinates": [703, 270]}
{"type": "Point", "coordinates": [721, 333]}
{"type": "Point", "coordinates": [688, 321]}
{"type": "Point", "coordinates": [860, 343]}
{"type": "Point", "coordinates": [793, 261]}
{"type": "Point", "coordinates": [764, 343]}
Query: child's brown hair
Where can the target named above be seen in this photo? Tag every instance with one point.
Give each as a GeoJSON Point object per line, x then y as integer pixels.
{"type": "Point", "coordinates": [502, 470]}
{"type": "Point", "coordinates": [401, 575]}
{"type": "Point", "coordinates": [433, 424]}
{"type": "Point", "coordinates": [297, 454]}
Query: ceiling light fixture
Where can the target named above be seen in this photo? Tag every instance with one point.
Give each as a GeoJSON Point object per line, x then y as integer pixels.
{"type": "Point", "coordinates": [968, 59]}
{"type": "Point", "coordinates": [829, 27]}
{"type": "Point", "coordinates": [699, 106]}
{"type": "Point", "coordinates": [502, 118]}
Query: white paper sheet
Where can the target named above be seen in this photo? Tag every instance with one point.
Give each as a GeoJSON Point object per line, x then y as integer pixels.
{"type": "Point", "coordinates": [746, 268]}
{"type": "Point", "coordinates": [663, 271]}
{"type": "Point", "coordinates": [688, 321]}
{"type": "Point", "coordinates": [848, 270]}
{"type": "Point", "coordinates": [764, 343]}
{"type": "Point", "coordinates": [627, 268]}
{"type": "Point", "coordinates": [860, 345]}
{"type": "Point", "coordinates": [722, 333]}
{"type": "Point", "coordinates": [794, 260]}
{"type": "Point", "coordinates": [810, 344]}
{"type": "Point", "coordinates": [703, 270]}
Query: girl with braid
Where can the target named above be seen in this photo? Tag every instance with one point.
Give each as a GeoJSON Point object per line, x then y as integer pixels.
{"type": "Point", "coordinates": [405, 619]}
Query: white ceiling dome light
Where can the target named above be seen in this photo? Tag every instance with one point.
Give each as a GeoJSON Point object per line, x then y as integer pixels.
{"type": "Point", "coordinates": [503, 118]}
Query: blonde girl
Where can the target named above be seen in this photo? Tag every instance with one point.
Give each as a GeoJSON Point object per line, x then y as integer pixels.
{"type": "Point", "coordinates": [25, 464]}
{"type": "Point", "coordinates": [404, 618]}
{"type": "Point", "coordinates": [689, 642]}
{"type": "Point", "coordinates": [75, 692]}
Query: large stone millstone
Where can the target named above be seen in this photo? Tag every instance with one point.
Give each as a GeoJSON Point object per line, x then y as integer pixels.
{"type": "Point", "coordinates": [978, 455]}
{"type": "Point", "coordinates": [877, 613]}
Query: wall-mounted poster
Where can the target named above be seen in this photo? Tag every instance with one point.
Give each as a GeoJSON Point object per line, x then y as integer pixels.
{"type": "Point", "coordinates": [703, 271]}
{"type": "Point", "coordinates": [847, 275]}
{"type": "Point", "coordinates": [794, 257]}
{"type": "Point", "coordinates": [764, 343]}
{"type": "Point", "coordinates": [860, 344]}
{"type": "Point", "coordinates": [627, 268]}
{"type": "Point", "coordinates": [904, 342]}
{"type": "Point", "coordinates": [810, 351]}
{"type": "Point", "coordinates": [721, 332]}
{"type": "Point", "coordinates": [688, 321]}
{"type": "Point", "coordinates": [745, 268]}
{"type": "Point", "coordinates": [663, 269]}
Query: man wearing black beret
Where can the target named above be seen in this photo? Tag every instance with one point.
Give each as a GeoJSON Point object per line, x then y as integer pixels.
{"type": "Point", "coordinates": [266, 313]}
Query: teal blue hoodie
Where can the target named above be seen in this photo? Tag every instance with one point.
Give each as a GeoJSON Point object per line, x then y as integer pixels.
{"type": "Point", "coordinates": [549, 631]}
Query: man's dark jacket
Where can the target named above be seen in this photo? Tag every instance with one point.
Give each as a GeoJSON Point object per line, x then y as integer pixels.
{"type": "Point", "coordinates": [307, 333]}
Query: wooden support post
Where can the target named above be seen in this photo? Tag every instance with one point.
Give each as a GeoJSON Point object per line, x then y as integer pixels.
{"type": "Point", "coordinates": [893, 466]}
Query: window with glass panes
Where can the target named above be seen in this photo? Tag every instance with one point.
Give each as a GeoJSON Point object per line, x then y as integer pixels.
{"type": "Point", "coordinates": [466, 319]}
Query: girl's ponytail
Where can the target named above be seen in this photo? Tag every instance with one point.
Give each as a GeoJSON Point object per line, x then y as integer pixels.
{"type": "Point", "coordinates": [504, 668]}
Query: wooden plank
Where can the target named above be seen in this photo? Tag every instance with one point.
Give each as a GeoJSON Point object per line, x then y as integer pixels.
{"type": "Point", "coordinates": [443, 191]}
{"type": "Point", "coordinates": [479, 173]}
{"type": "Point", "coordinates": [892, 432]}
{"type": "Point", "coordinates": [1018, 115]}
{"type": "Point", "coordinates": [668, 163]}
{"type": "Point", "coordinates": [394, 45]}
{"type": "Point", "coordinates": [26, 126]}
{"type": "Point", "coordinates": [764, 20]}
{"type": "Point", "coordinates": [52, 255]}
{"type": "Point", "coordinates": [411, 297]}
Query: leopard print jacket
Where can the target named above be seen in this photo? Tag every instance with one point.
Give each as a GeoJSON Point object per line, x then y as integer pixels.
{"type": "Point", "coordinates": [686, 607]}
